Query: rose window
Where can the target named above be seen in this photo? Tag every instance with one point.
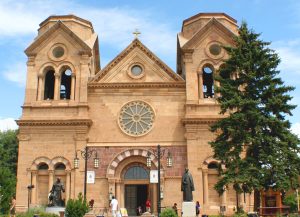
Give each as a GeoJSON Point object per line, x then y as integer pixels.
{"type": "Point", "coordinates": [136, 118]}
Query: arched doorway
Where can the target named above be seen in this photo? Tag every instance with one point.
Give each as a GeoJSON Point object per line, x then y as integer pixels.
{"type": "Point", "coordinates": [137, 188]}
{"type": "Point", "coordinates": [120, 164]}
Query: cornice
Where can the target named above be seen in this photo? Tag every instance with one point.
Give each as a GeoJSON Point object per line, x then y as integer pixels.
{"type": "Point", "coordinates": [137, 85]}
{"type": "Point", "coordinates": [85, 122]}
{"type": "Point", "coordinates": [196, 120]}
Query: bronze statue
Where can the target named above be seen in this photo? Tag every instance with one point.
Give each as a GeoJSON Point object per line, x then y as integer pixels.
{"type": "Point", "coordinates": [187, 185]}
{"type": "Point", "coordinates": [55, 196]}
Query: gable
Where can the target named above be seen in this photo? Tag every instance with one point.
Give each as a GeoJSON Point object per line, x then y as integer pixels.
{"type": "Point", "coordinates": [136, 55]}
{"type": "Point", "coordinates": [215, 30]}
{"type": "Point", "coordinates": [59, 27]}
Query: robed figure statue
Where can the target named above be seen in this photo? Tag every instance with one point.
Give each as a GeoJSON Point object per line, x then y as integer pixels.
{"type": "Point", "coordinates": [187, 185]}
{"type": "Point", "coordinates": [55, 197]}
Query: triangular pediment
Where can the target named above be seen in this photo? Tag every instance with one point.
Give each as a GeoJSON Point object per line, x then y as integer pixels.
{"type": "Point", "coordinates": [214, 24]}
{"type": "Point", "coordinates": [58, 26]}
{"type": "Point", "coordinates": [119, 70]}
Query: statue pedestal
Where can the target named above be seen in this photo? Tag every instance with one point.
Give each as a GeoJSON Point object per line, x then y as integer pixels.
{"type": "Point", "coordinates": [188, 209]}
{"type": "Point", "coordinates": [56, 210]}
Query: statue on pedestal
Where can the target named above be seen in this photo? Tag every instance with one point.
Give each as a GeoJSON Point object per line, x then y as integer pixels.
{"type": "Point", "coordinates": [55, 196]}
{"type": "Point", "coordinates": [187, 185]}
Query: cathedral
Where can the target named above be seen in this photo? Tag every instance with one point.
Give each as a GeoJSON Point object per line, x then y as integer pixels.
{"type": "Point", "coordinates": [109, 131]}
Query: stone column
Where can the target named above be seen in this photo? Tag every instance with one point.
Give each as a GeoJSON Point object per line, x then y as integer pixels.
{"type": "Point", "coordinates": [68, 180]}
{"type": "Point", "coordinates": [31, 81]}
{"type": "Point", "coordinates": [34, 190]}
{"type": "Point", "coordinates": [73, 80]}
{"type": "Point", "coordinates": [57, 86]}
{"type": "Point", "coordinates": [40, 88]}
{"type": "Point", "coordinates": [200, 85]}
{"type": "Point", "coordinates": [205, 186]}
{"type": "Point", "coordinates": [84, 74]}
{"type": "Point", "coordinates": [51, 178]}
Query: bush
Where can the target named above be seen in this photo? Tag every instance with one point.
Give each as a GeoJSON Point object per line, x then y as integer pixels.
{"type": "Point", "coordinates": [291, 201]}
{"type": "Point", "coordinates": [168, 212]}
{"type": "Point", "coordinates": [77, 207]}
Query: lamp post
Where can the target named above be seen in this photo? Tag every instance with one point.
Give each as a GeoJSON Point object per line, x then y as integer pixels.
{"type": "Point", "coordinates": [86, 154]}
{"type": "Point", "coordinates": [29, 187]}
{"type": "Point", "coordinates": [159, 153]}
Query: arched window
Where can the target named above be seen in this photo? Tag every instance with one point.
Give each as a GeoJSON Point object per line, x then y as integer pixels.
{"type": "Point", "coordinates": [49, 85]}
{"type": "Point", "coordinates": [136, 172]}
{"type": "Point", "coordinates": [208, 81]}
{"type": "Point", "coordinates": [213, 165]}
{"type": "Point", "coordinates": [65, 84]}
{"type": "Point", "coordinates": [59, 166]}
{"type": "Point", "coordinates": [42, 166]}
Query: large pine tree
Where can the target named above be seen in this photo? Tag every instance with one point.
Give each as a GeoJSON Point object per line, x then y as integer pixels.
{"type": "Point", "coordinates": [254, 140]}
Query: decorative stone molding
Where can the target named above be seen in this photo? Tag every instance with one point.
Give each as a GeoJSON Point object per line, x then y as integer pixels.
{"type": "Point", "coordinates": [59, 159]}
{"type": "Point", "coordinates": [24, 137]}
{"type": "Point", "coordinates": [111, 168]}
{"type": "Point", "coordinates": [137, 85]}
{"type": "Point", "coordinates": [31, 60]}
{"type": "Point", "coordinates": [39, 160]}
{"type": "Point", "coordinates": [196, 120]}
{"type": "Point", "coordinates": [86, 122]}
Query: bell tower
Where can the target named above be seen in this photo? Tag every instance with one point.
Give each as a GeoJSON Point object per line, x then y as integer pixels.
{"type": "Point", "coordinates": [55, 121]}
{"type": "Point", "coordinates": [200, 55]}
{"type": "Point", "coordinates": [60, 61]}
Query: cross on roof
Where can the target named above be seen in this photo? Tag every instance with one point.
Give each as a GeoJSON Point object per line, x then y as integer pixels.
{"type": "Point", "coordinates": [136, 33]}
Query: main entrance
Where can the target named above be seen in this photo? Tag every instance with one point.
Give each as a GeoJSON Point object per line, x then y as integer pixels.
{"type": "Point", "coordinates": [135, 196]}
{"type": "Point", "coordinates": [136, 188]}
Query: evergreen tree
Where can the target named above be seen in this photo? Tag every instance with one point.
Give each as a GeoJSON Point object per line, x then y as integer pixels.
{"type": "Point", "coordinates": [254, 140]}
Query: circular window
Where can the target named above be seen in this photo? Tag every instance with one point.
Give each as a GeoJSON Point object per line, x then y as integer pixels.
{"type": "Point", "coordinates": [58, 52]}
{"type": "Point", "coordinates": [136, 118]}
{"type": "Point", "coordinates": [136, 70]}
{"type": "Point", "coordinates": [215, 49]}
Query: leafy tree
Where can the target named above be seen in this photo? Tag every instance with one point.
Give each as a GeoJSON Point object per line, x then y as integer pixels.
{"type": "Point", "coordinates": [9, 150]}
{"type": "Point", "coordinates": [7, 188]}
{"type": "Point", "coordinates": [254, 140]}
{"type": "Point", "coordinates": [8, 167]}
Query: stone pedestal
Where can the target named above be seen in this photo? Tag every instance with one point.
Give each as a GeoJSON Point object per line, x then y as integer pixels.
{"type": "Point", "coordinates": [188, 209]}
{"type": "Point", "coordinates": [56, 210]}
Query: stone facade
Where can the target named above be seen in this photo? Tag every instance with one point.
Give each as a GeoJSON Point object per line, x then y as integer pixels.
{"type": "Point", "coordinates": [71, 103]}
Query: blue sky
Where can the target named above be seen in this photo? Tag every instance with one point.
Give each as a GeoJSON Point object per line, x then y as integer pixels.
{"type": "Point", "coordinates": [158, 20]}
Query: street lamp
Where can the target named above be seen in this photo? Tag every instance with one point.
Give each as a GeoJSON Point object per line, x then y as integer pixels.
{"type": "Point", "coordinates": [29, 187]}
{"type": "Point", "coordinates": [86, 154]}
{"type": "Point", "coordinates": [159, 153]}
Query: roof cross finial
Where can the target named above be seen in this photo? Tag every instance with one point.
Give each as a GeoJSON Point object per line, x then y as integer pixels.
{"type": "Point", "coordinates": [136, 33]}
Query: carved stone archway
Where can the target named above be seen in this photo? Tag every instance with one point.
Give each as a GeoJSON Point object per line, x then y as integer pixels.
{"type": "Point", "coordinates": [124, 160]}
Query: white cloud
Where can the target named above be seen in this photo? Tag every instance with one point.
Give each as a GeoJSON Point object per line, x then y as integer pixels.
{"type": "Point", "coordinates": [289, 52]}
{"type": "Point", "coordinates": [296, 129]}
{"type": "Point", "coordinates": [20, 20]}
{"type": "Point", "coordinates": [8, 124]}
{"type": "Point", "coordinates": [16, 73]}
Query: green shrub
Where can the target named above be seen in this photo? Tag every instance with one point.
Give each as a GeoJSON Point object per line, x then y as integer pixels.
{"type": "Point", "coordinates": [77, 207]}
{"type": "Point", "coordinates": [291, 201]}
{"type": "Point", "coordinates": [168, 212]}
{"type": "Point", "coordinates": [40, 211]}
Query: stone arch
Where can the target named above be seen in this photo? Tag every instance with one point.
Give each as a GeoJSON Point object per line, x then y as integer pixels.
{"type": "Point", "coordinates": [208, 161]}
{"type": "Point", "coordinates": [64, 65]}
{"type": "Point", "coordinates": [43, 69]}
{"type": "Point", "coordinates": [60, 159]}
{"type": "Point", "coordinates": [136, 152]}
{"type": "Point", "coordinates": [38, 161]}
{"type": "Point", "coordinates": [205, 62]}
